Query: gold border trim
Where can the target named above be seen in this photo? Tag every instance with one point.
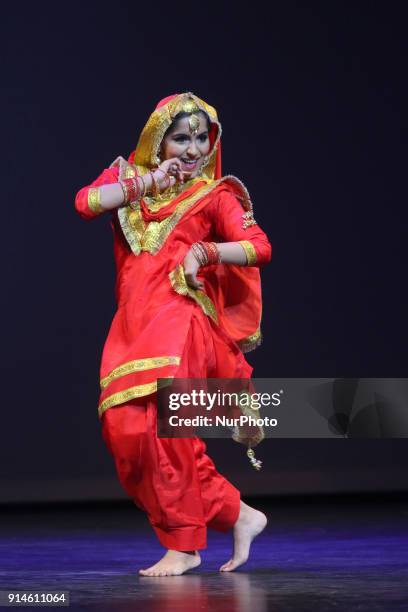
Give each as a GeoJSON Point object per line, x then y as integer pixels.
{"type": "Point", "coordinates": [249, 251]}
{"type": "Point", "coordinates": [129, 233]}
{"type": "Point", "coordinates": [138, 365]}
{"type": "Point", "coordinates": [94, 200]}
{"type": "Point", "coordinates": [180, 285]}
{"type": "Point", "coordinates": [128, 394]}
{"type": "Point", "coordinates": [251, 342]}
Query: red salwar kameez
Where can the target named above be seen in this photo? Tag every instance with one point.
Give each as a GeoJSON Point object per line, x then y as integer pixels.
{"type": "Point", "coordinates": [163, 328]}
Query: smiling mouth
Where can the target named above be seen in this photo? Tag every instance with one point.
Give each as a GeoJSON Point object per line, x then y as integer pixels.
{"type": "Point", "coordinates": [189, 164]}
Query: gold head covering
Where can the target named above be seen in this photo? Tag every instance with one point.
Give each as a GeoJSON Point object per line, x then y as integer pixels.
{"type": "Point", "coordinates": [147, 152]}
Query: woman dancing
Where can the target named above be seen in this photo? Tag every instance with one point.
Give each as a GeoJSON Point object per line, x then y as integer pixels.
{"type": "Point", "coordinates": [188, 251]}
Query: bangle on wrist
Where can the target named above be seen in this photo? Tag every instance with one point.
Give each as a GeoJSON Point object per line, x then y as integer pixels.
{"type": "Point", "coordinates": [131, 191]}
{"type": "Point", "coordinates": [206, 253]}
{"type": "Point", "coordinates": [214, 256]}
{"type": "Point", "coordinates": [134, 199]}
{"type": "Point", "coordinates": [154, 188]}
{"type": "Point", "coordinates": [143, 191]}
{"type": "Point", "coordinates": [200, 254]}
{"type": "Point", "coordinates": [125, 191]}
{"type": "Point", "coordinates": [167, 177]}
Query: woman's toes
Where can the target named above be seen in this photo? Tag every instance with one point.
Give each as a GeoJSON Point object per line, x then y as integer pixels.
{"type": "Point", "coordinates": [225, 566]}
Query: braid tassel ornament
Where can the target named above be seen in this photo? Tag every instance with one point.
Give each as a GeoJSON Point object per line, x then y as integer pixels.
{"type": "Point", "coordinates": [256, 463]}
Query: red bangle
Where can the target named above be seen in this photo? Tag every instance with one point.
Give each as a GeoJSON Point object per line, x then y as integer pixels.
{"type": "Point", "coordinates": [131, 189]}
{"type": "Point", "coordinates": [213, 254]}
{"type": "Point", "coordinates": [200, 253]}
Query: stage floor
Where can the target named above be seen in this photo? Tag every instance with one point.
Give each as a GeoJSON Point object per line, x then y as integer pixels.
{"type": "Point", "coordinates": [317, 554]}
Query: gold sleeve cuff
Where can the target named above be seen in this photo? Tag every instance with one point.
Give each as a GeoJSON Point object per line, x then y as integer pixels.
{"type": "Point", "coordinates": [249, 251]}
{"type": "Point", "coordinates": [94, 200]}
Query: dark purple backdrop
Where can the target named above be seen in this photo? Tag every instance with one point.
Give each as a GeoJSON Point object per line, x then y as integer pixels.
{"type": "Point", "coordinates": [311, 97]}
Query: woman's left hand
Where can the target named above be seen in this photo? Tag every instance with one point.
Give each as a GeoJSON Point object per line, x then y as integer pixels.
{"type": "Point", "coordinates": [191, 267]}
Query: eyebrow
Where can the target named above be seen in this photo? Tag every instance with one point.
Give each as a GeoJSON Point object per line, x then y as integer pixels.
{"type": "Point", "coordinates": [184, 134]}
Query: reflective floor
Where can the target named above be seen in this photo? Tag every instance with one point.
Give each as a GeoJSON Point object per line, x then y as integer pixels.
{"type": "Point", "coordinates": [318, 555]}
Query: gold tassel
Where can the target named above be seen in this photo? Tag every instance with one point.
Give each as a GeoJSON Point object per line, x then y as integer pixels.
{"type": "Point", "coordinates": [256, 463]}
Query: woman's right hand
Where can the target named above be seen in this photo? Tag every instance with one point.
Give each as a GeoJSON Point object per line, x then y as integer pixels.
{"type": "Point", "coordinates": [171, 167]}
{"type": "Point", "coordinates": [191, 267]}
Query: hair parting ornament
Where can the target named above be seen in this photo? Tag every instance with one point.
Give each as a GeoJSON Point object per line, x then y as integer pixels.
{"type": "Point", "coordinates": [194, 123]}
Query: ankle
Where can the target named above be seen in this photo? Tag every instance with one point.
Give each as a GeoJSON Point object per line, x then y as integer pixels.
{"type": "Point", "coordinates": [185, 552]}
{"type": "Point", "coordinates": [191, 552]}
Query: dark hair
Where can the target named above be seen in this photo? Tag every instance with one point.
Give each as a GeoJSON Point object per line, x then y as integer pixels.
{"type": "Point", "coordinates": [183, 114]}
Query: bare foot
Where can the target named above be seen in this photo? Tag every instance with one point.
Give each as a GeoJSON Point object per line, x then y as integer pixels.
{"type": "Point", "coordinates": [173, 563]}
{"type": "Point", "coordinates": [250, 523]}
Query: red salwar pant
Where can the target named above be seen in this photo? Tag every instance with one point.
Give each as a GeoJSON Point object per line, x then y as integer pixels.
{"type": "Point", "coordinates": [172, 479]}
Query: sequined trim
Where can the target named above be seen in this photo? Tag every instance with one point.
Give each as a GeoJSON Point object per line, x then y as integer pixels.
{"type": "Point", "coordinates": [94, 200]}
{"type": "Point", "coordinates": [248, 219]}
{"type": "Point", "coordinates": [129, 221]}
{"type": "Point", "coordinates": [243, 196]}
{"type": "Point", "coordinates": [138, 365]}
{"type": "Point", "coordinates": [126, 395]}
{"type": "Point", "coordinates": [251, 342]}
{"type": "Point", "coordinates": [180, 285]}
{"type": "Point", "coordinates": [130, 171]}
{"type": "Point", "coordinates": [249, 251]}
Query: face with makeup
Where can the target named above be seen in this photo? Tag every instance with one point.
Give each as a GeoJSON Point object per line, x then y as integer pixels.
{"type": "Point", "coordinates": [189, 145]}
